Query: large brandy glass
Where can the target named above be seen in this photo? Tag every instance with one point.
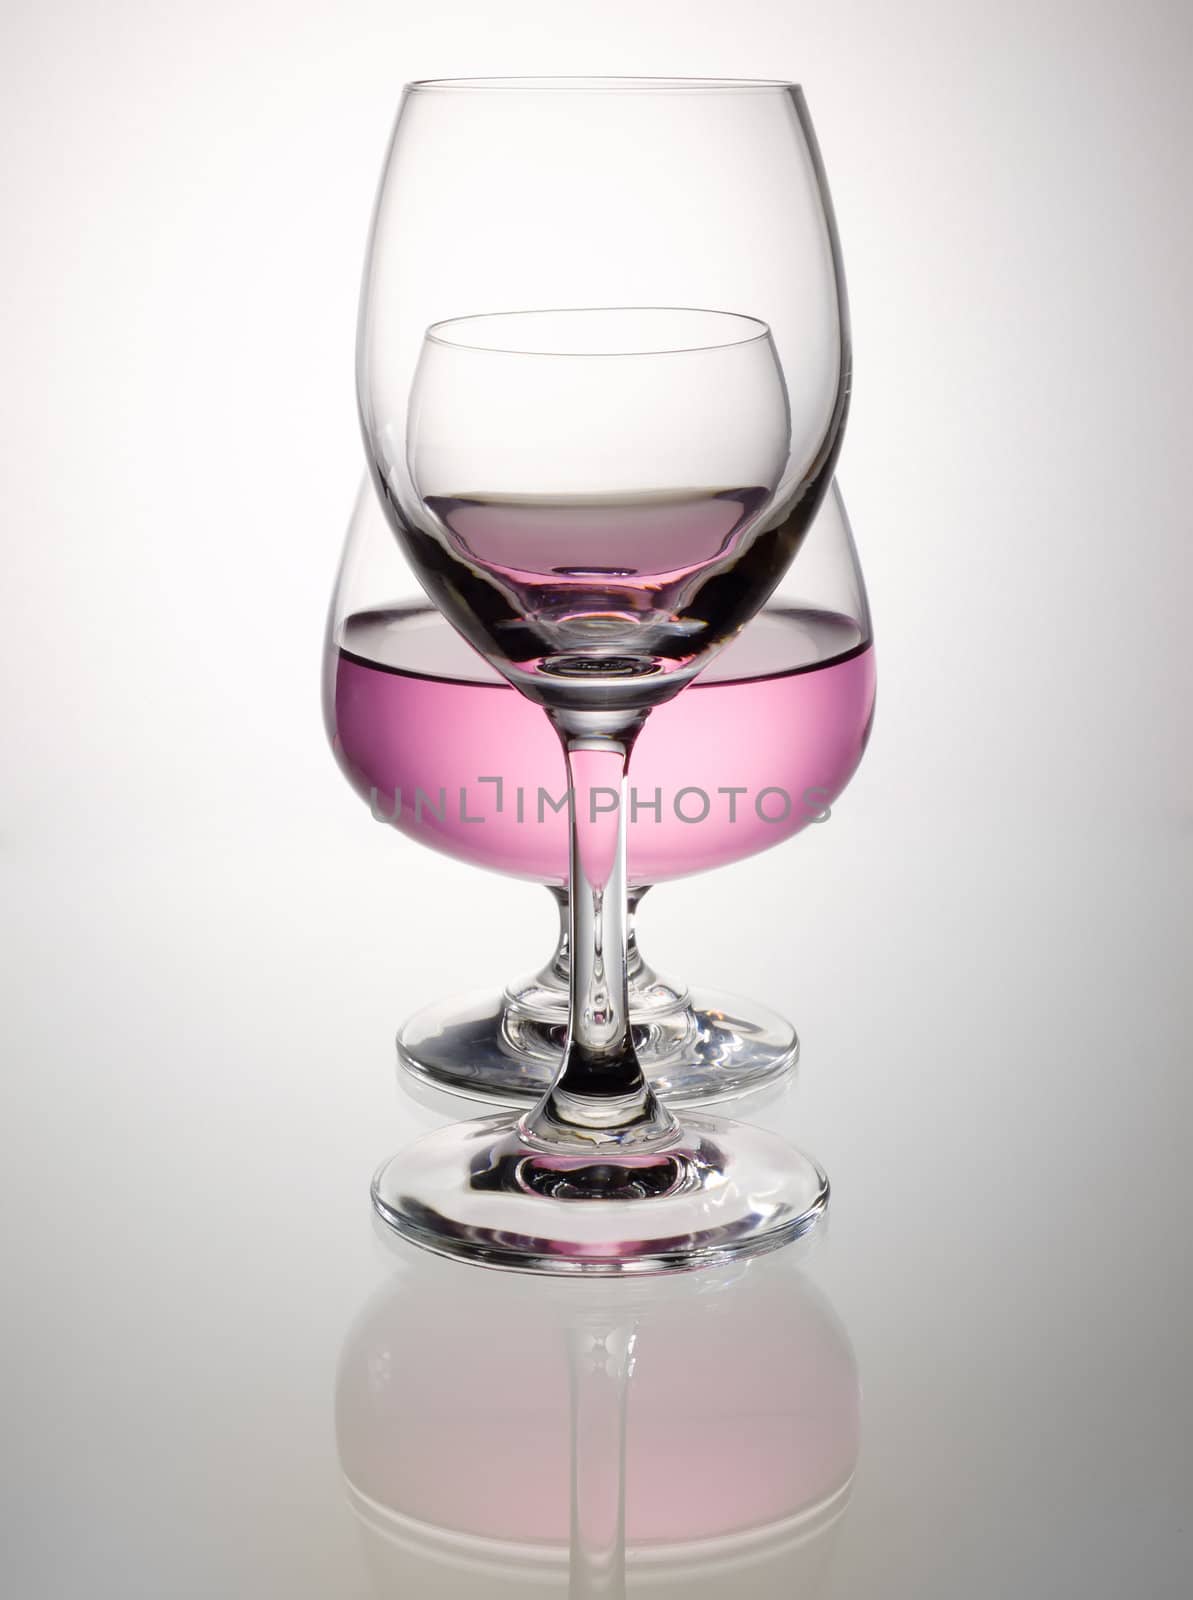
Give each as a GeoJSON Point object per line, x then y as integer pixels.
{"type": "Point", "coordinates": [443, 749]}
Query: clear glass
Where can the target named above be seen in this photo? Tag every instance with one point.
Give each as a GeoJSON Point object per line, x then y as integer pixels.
{"type": "Point", "coordinates": [599, 492]}
{"type": "Point", "coordinates": [443, 749]}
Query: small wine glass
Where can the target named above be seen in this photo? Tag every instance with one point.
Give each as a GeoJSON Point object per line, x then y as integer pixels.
{"type": "Point", "coordinates": [599, 493]}
{"type": "Point", "coordinates": [446, 751]}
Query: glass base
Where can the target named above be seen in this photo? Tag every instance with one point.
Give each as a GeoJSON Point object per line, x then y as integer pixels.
{"type": "Point", "coordinates": [719, 1191]}
{"type": "Point", "coordinates": [504, 1049]}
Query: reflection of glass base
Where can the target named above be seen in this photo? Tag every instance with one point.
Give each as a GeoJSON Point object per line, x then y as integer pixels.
{"type": "Point", "coordinates": [501, 1050]}
{"type": "Point", "coordinates": [411, 1557]}
{"type": "Point", "coordinates": [719, 1191]}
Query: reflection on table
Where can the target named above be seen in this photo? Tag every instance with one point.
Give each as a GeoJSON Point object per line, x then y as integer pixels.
{"type": "Point", "coordinates": [503, 1435]}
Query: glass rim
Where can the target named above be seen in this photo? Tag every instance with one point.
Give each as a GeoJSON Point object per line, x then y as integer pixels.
{"type": "Point", "coordinates": [606, 83]}
{"type": "Point", "coordinates": [760, 330]}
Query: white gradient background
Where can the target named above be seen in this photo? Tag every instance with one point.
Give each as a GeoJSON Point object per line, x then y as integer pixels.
{"type": "Point", "coordinates": [208, 943]}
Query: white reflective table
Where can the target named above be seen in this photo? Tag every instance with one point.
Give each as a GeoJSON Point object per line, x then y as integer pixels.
{"type": "Point", "coordinates": [221, 1376]}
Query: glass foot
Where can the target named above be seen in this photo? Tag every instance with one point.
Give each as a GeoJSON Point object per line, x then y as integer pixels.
{"type": "Point", "coordinates": [500, 1050]}
{"type": "Point", "coordinates": [719, 1191]}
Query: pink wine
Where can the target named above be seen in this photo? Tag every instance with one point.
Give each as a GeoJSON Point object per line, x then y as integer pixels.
{"type": "Point", "coordinates": [447, 751]}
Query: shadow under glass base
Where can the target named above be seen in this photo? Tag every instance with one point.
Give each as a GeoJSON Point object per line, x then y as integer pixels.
{"type": "Point", "coordinates": [720, 1191]}
{"type": "Point", "coordinates": [498, 1048]}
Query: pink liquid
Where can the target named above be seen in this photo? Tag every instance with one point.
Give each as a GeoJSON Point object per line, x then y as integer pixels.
{"type": "Point", "coordinates": [781, 717]}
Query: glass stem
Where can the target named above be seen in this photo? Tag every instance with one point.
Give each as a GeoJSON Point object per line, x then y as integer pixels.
{"type": "Point", "coordinates": [601, 1362]}
{"type": "Point", "coordinates": [555, 973]}
{"type": "Point", "coordinates": [600, 1099]}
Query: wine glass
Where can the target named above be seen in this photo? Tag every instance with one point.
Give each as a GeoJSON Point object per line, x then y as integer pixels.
{"type": "Point", "coordinates": [599, 492]}
{"type": "Point", "coordinates": [445, 750]}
